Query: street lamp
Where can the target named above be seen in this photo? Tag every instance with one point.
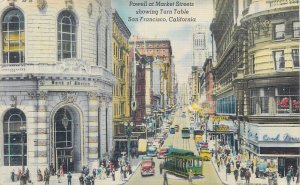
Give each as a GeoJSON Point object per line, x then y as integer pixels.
{"type": "Point", "coordinates": [23, 130]}
{"type": "Point", "coordinates": [206, 122]}
{"type": "Point", "coordinates": [147, 121]}
{"type": "Point", "coordinates": [128, 130]}
{"type": "Point", "coordinates": [155, 114]}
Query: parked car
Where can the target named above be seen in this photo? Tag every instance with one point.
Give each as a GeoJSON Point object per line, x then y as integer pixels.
{"type": "Point", "coordinates": [162, 152]}
{"type": "Point", "coordinates": [147, 166]}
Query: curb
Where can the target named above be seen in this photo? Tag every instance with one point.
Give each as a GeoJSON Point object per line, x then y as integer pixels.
{"type": "Point", "coordinates": [223, 182]}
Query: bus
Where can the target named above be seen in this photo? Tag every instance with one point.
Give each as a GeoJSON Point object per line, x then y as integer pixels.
{"type": "Point", "coordinates": [180, 162]}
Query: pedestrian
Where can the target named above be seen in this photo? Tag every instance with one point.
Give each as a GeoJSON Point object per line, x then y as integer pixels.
{"type": "Point", "coordinates": [94, 172]}
{"type": "Point", "coordinates": [61, 170]}
{"type": "Point", "coordinates": [124, 171]}
{"type": "Point", "coordinates": [247, 176]}
{"type": "Point", "coordinates": [292, 173]}
{"type": "Point", "coordinates": [27, 175]}
{"type": "Point", "coordinates": [298, 176]}
{"type": "Point", "coordinates": [288, 177]}
{"type": "Point", "coordinates": [87, 180]}
{"type": "Point", "coordinates": [81, 179]}
{"type": "Point", "coordinates": [165, 178]}
{"type": "Point", "coordinates": [12, 175]}
{"type": "Point", "coordinates": [99, 172]}
{"type": "Point", "coordinates": [103, 172]}
{"type": "Point", "coordinates": [58, 175]}
{"type": "Point", "coordinates": [218, 164]}
{"type": "Point", "coordinates": [191, 175]}
{"type": "Point", "coordinates": [47, 176]}
{"type": "Point", "coordinates": [252, 166]}
{"type": "Point", "coordinates": [52, 169]}
{"type": "Point", "coordinates": [92, 179]}
{"type": "Point", "coordinates": [237, 164]}
{"type": "Point", "coordinates": [256, 172]}
{"type": "Point", "coordinates": [160, 168]}
{"type": "Point", "coordinates": [129, 169]}
{"type": "Point", "coordinates": [228, 168]}
{"type": "Point", "coordinates": [236, 174]}
{"type": "Point", "coordinates": [113, 174]}
{"type": "Point", "coordinates": [19, 174]}
{"type": "Point", "coordinates": [69, 178]}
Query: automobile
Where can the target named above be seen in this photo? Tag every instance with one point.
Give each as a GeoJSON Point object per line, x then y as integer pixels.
{"type": "Point", "coordinates": [152, 151]}
{"type": "Point", "coordinates": [205, 154]}
{"type": "Point", "coordinates": [176, 128]}
{"type": "Point", "coordinates": [147, 166]}
{"type": "Point", "coordinates": [172, 130]}
{"type": "Point", "coordinates": [161, 153]}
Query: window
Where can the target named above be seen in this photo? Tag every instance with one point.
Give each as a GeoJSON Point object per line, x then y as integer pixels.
{"type": "Point", "coordinates": [288, 100]}
{"type": "Point", "coordinates": [278, 31]}
{"type": "Point", "coordinates": [98, 44]}
{"type": "Point", "coordinates": [106, 45]}
{"type": "Point", "coordinates": [226, 105]}
{"type": "Point", "coordinates": [253, 101]}
{"type": "Point", "coordinates": [295, 56]}
{"type": "Point", "coordinates": [13, 140]}
{"type": "Point", "coordinates": [279, 59]}
{"type": "Point", "coordinates": [13, 35]}
{"type": "Point", "coordinates": [252, 64]}
{"type": "Point", "coordinates": [66, 34]}
{"type": "Point", "coordinates": [296, 29]}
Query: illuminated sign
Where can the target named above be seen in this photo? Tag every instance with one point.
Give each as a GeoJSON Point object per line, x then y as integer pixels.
{"type": "Point", "coordinates": [219, 118]}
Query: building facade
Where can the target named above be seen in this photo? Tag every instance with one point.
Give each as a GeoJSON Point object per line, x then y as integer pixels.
{"type": "Point", "coordinates": [121, 69]}
{"type": "Point", "coordinates": [271, 73]}
{"type": "Point", "coordinates": [257, 77]}
{"type": "Point", "coordinates": [56, 81]}
{"type": "Point", "coordinates": [161, 52]}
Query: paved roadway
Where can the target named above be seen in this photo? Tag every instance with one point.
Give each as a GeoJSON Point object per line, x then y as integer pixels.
{"type": "Point", "coordinates": [210, 176]}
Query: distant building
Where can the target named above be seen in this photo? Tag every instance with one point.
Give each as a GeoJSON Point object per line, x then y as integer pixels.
{"type": "Point", "coordinates": [122, 71]}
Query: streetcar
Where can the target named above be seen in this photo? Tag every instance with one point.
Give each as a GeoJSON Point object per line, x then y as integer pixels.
{"type": "Point", "coordinates": [185, 133]}
{"type": "Point", "coordinates": [180, 162]}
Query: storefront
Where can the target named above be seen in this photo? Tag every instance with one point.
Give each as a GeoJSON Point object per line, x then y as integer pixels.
{"type": "Point", "coordinates": [274, 143]}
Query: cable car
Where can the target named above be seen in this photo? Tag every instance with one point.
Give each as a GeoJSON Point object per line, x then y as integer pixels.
{"type": "Point", "coordinates": [185, 133]}
{"type": "Point", "coordinates": [180, 162]}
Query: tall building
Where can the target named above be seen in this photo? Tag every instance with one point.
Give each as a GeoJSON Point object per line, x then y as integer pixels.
{"type": "Point", "coordinates": [122, 71]}
{"type": "Point", "coordinates": [201, 45]}
{"type": "Point", "coordinates": [271, 74]}
{"type": "Point", "coordinates": [257, 77]}
{"type": "Point", "coordinates": [55, 84]}
{"type": "Point", "coordinates": [161, 51]}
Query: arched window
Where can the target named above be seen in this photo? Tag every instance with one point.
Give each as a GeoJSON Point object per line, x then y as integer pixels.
{"type": "Point", "coordinates": [66, 33]}
{"type": "Point", "coordinates": [13, 37]}
{"type": "Point", "coordinates": [14, 139]}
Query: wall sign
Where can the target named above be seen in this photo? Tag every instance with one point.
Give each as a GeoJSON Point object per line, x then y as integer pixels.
{"type": "Point", "coordinates": [281, 138]}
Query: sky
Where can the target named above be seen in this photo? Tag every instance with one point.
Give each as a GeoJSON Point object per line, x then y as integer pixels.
{"type": "Point", "coordinates": [179, 33]}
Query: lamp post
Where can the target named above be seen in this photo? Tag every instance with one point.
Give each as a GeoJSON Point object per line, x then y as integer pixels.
{"type": "Point", "coordinates": [155, 115]}
{"type": "Point", "coordinates": [23, 130]}
{"type": "Point", "coordinates": [128, 129]}
{"type": "Point", "coordinates": [215, 124]}
{"type": "Point", "coordinates": [147, 119]}
{"type": "Point", "coordinates": [206, 122]}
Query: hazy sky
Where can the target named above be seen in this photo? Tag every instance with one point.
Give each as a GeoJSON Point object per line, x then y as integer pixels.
{"type": "Point", "coordinates": [180, 33]}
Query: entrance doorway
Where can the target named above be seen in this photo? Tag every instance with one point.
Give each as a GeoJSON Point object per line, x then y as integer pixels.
{"type": "Point", "coordinates": [66, 140]}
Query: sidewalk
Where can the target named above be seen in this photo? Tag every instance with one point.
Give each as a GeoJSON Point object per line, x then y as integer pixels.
{"type": "Point", "coordinates": [230, 180]}
{"type": "Point", "coordinates": [5, 176]}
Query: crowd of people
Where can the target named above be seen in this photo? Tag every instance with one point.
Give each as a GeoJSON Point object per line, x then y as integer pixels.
{"type": "Point", "coordinates": [244, 170]}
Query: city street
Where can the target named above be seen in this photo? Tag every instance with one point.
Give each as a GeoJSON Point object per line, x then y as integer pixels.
{"type": "Point", "coordinates": [210, 175]}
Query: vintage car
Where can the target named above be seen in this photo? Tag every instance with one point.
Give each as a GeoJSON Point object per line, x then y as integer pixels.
{"type": "Point", "coordinates": [205, 154]}
{"type": "Point", "coordinates": [147, 166]}
{"type": "Point", "coordinates": [152, 151]}
{"type": "Point", "coordinates": [162, 152]}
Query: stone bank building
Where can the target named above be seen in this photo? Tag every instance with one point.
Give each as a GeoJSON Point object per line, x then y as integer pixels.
{"type": "Point", "coordinates": [56, 80]}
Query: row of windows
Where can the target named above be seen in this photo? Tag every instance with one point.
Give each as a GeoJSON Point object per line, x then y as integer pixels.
{"type": "Point", "coordinates": [226, 105]}
{"type": "Point", "coordinates": [279, 60]}
{"type": "Point", "coordinates": [280, 100]}
{"type": "Point", "coordinates": [279, 30]}
{"type": "Point", "coordinates": [13, 37]}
